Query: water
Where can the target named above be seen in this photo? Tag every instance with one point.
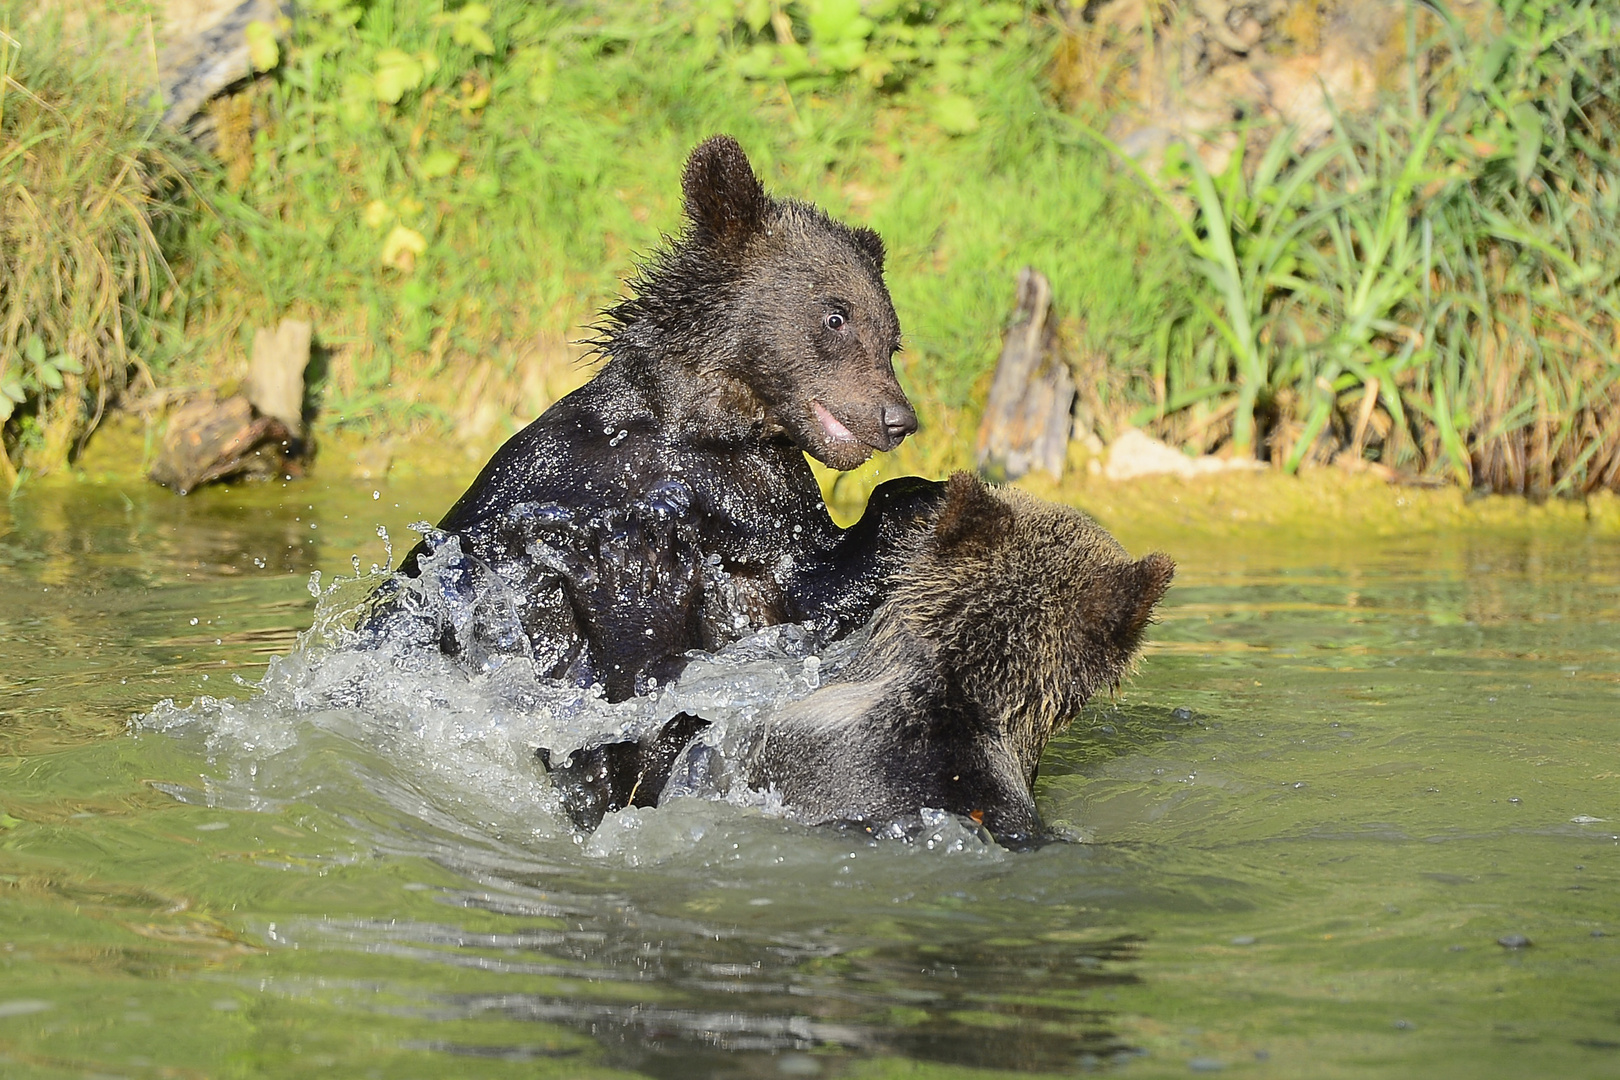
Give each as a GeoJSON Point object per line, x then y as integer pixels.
{"type": "Point", "coordinates": [1347, 769]}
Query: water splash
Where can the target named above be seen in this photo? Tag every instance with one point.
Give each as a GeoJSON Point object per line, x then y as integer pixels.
{"type": "Point", "coordinates": [347, 720]}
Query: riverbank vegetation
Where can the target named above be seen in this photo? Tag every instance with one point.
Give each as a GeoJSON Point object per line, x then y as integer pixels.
{"type": "Point", "coordinates": [95, 211]}
{"type": "Point", "coordinates": [448, 193]}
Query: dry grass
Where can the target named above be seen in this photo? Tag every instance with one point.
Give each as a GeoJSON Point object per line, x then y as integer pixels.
{"type": "Point", "coordinates": [91, 196]}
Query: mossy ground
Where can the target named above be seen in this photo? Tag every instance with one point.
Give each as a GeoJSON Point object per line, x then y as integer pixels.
{"type": "Point", "coordinates": [1147, 513]}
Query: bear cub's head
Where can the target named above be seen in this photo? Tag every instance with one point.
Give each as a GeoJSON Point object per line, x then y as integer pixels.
{"type": "Point", "coordinates": [1026, 608]}
{"type": "Point", "coordinates": [779, 300]}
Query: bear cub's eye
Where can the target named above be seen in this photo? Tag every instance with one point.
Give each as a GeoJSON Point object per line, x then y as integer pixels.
{"type": "Point", "coordinates": [834, 321]}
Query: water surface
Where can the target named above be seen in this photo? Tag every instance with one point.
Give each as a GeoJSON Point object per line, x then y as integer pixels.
{"type": "Point", "coordinates": [1346, 770]}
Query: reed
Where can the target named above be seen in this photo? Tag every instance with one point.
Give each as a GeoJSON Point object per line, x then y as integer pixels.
{"type": "Point", "coordinates": [1433, 288]}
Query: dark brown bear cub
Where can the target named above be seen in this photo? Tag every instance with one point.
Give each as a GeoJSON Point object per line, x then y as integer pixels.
{"type": "Point", "coordinates": [667, 505]}
{"type": "Point", "coordinates": [1003, 617]}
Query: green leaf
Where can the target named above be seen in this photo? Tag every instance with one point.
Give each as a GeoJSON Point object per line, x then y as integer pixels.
{"type": "Point", "coordinates": [50, 377]}
{"type": "Point", "coordinates": [263, 51]}
{"type": "Point", "coordinates": [438, 163]}
{"type": "Point", "coordinates": [357, 106]}
{"type": "Point", "coordinates": [64, 362]}
{"type": "Point", "coordinates": [416, 296]}
{"type": "Point", "coordinates": [401, 247]}
{"type": "Point", "coordinates": [834, 21]}
{"type": "Point", "coordinates": [541, 64]}
{"type": "Point", "coordinates": [756, 63]}
{"type": "Point", "coordinates": [34, 349]}
{"type": "Point", "coordinates": [396, 73]}
{"type": "Point", "coordinates": [756, 13]}
{"type": "Point", "coordinates": [1491, 61]}
{"type": "Point", "coordinates": [956, 115]}
{"type": "Point", "coordinates": [1527, 135]}
{"type": "Point", "coordinates": [467, 28]}
{"type": "Point", "coordinates": [844, 55]}
{"type": "Point", "coordinates": [13, 392]}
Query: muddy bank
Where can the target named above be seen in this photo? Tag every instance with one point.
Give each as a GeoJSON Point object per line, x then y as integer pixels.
{"type": "Point", "coordinates": [1158, 511]}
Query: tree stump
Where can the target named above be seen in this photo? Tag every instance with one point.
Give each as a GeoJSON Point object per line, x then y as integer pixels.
{"type": "Point", "coordinates": [275, 382]}
{"type": "Point", "coordinates": [1030, 413]}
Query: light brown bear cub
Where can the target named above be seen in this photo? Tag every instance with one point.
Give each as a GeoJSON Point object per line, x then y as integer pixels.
{"type": "Point", "coordinates": [1004, 615]}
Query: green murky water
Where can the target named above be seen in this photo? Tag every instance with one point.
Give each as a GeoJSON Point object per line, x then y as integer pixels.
{"type": "Point", "coordinates": [1345, 771]}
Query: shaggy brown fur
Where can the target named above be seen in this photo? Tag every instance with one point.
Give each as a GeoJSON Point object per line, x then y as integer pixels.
{"type": "Point", "coordinates": [1030, 608]}
{"type": "Point", "coordinates": [1003, 616]}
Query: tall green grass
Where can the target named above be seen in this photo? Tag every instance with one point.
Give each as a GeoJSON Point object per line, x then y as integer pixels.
{"type": "Point", "coordinates": [1434, 288]}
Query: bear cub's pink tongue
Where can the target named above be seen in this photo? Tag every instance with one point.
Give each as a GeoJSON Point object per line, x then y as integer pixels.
{"type": "Point", "coordinates": [829, 423]}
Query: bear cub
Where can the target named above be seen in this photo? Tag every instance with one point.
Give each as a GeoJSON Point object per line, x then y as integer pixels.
{"type": "Point", "coordinates": [1003, 616]}
{"type": "Point", "coordinates": [667, 504]}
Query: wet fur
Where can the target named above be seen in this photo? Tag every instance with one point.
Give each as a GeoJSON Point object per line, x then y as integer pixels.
{"type": "Point", "coordinates": [1003, 616]}
{"type": "Point", "coordinates": [667, 505]}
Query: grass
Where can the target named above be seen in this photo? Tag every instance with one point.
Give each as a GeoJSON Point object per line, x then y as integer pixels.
{"type": "Point", "coordinates": [1432, 289]}
{"type": "Point", "coordinates": [93, 199]}
{"type": "Point", "coordinates": [524, 173]}
{"type": "Point", "coordinates": [451, 192]}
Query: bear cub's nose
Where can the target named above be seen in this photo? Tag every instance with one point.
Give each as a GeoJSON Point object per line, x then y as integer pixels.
{"type": "Point", "coordinates": [898, 422]}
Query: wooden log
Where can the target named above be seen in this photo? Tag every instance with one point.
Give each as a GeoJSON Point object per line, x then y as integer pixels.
{"type": "Point", "coordinates": [211, 440]}
{"type": "Point", "coordinates": [206, 50]}
{"type": "Point", "coordinates": [1030, 413]}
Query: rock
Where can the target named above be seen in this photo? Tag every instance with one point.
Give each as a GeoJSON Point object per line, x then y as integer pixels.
{"type": "Point", "coordinates": [275, 381]}
{"type": "Point", "coordinates": [1188, 73]}
{"type": "Point", "coordinates": [1135, 454]}
{"type": "Point", "coordinates": [1029, 415]}
{"type": "Point", "coordinates": [373, 460]}
{"type": "Point", "coordinates": [1306, 91]}
{"type": "Point", "coordinates": [211, 440]}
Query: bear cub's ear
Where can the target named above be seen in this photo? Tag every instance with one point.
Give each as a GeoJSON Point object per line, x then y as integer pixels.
{"type": "Point", "coordinates": [972, 520]}
{"type": "Point", "coordinates": [871, 243]}
{"type": "Point", "coordinates": [724, 199]}
{"type": "Point", "coordinates": [1150, 577]}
